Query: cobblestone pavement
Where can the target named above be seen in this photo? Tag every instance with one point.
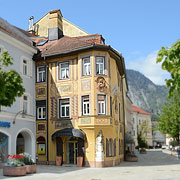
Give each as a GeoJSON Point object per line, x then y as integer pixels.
{"type": "Point", "coordinates": [155, 165]}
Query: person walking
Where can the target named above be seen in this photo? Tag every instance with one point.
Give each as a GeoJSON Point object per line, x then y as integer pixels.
{"type": "Point", "coordinates": [178, 151]}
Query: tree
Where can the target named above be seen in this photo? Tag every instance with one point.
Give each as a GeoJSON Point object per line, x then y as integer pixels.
{"type": "Point", "coordinates": [169, 119]}
{"type": "Point", "coordinates": [170, 58]}
{"type": "Point", "coordinates": [10, 81]}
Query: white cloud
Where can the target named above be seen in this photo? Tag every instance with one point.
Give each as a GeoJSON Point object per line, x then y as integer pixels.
{"type": "Point", "coordinates": [147, 65]}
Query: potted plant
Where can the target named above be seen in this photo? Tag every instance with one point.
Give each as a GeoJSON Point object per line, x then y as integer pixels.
{"type": "Point", "coordinates": [14, 166]}
{"type": "Point", "coordinates": [131, 157]}
{"type": "Point", "coordinates": [29, 163]}
{"type": "Point", "coordinates": [143, 151]}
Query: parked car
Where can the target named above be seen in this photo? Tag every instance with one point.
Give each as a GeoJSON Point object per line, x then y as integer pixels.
{"type": "Point", "coordinates": [164, 147]}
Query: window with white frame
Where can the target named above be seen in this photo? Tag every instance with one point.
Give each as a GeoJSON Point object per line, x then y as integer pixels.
{"type": "Point", "coordinates": [85, 105]}
{"type": "Point", "coordinates": [25, 104]}
{"type": "Point", "coordinates": [41, 74]}
{"type": "Point", "coordinates": [101, 104]}
{"type": "Point", "coordinates": [41, 112]}
{"type": "Point", "coordinates": [64, 70]}
{"type": "Point", "coordinates": [86, 66]}
{"type": "Point", "coordinates": [100, 65]}
{"type": "Point", "coordinates": [25, 67]}
{"type": "Point", "coordinates": [64, 108]}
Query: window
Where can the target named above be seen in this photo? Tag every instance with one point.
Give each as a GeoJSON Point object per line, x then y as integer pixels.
{"type": "Point", "coordinates": [133, 120]}
{"type": "Point", "coordinates": [41, 127]}
{"type": "Point", "coordinates": [119, 147]}
{"type": "Point", "coordinates": [139, 121]}
{"type": "Point", "coordinates": [64, 70]}
{"type": "Point", "coordinates": [86, 67]}
{"type": "Point", "coordinates": [24, 67]}
{"type": "Point", "coordinates": [85, 105]}
{"type": "Point", "coordinates": [99, 65]}
{"type": "Point", "coordinates": [134, 133]}
{"type": "Point", "coordinates": [25, 104]}
{"type": "Point", "coordinates": [64, 108]}
{"type": "Point", "coordinates": [41, 74]}
{"type": "Point", "coordinates": [114, 147]}
{"type": "Point", "coordinates": [41, 112]}
{"type": "Point", "coordinates": [101, 104]}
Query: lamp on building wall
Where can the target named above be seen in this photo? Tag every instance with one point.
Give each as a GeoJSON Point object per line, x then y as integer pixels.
{"type": "Point", "coordinates": [23, 115]}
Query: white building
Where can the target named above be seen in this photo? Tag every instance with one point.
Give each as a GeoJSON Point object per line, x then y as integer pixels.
{"type": "Point", "coordinates": [141, 121]}
{"type": "Point", "coordinates": [18, 129]}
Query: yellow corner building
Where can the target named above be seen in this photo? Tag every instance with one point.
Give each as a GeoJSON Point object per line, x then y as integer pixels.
{"type": "Point", "coordinates": [79, 96]}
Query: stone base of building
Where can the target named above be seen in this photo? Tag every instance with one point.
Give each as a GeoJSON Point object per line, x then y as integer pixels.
{"type": "Point", "coordinates": [110, 163]}
{"type": "Point", "coordinates": [42, 163]}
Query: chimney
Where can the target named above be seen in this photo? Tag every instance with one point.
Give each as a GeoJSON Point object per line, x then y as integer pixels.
{"type": "Point", "coordinates": [55, 30]}
{"type": "Point", "coordinates": [31, 22]}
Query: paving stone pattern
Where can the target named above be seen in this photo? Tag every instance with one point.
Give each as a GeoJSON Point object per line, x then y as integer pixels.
{"type": "Point", "coordinates": [155, 165]}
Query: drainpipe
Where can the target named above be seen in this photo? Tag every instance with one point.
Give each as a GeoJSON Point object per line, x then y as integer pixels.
{"type": "Point", "coordinates": [123, 115]}
{"type": "Point", "coordinates": [47, 107]}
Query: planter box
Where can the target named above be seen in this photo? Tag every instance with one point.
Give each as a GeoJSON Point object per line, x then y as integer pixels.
{"type": "Point", "coordinates": [143, 152]}
{"type": "Point", "coordinates": [131, 159]}
{"type": "Point", "coordinates": [58, 160]}
{"type": "Point", "coordinates": [14, 171]}
{"type": "Point", "coordinates": [79, 161]}
{"type": "Point", "coordinates": [30, 169]}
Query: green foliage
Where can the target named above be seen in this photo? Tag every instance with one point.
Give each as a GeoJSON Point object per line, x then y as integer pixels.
{"type": "Point", "coordinates": [169, 119]}
{"type": "Point", "coordinates": [170, 58]}
{"type": "Point", "coordinates": [174, 143]}
{"type": "Point", "coordinates": [141, 142]}
{"type": "Point", "coordinates": [10, 82]}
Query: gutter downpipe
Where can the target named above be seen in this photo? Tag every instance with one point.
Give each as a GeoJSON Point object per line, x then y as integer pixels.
{"type": "Point", "coordinates": [47, 107]}
{"type": "Point", "coordinates": [123, 116]}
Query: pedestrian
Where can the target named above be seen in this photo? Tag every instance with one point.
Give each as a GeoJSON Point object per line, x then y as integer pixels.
{"type": "Point", "coordinates": [178, 151]}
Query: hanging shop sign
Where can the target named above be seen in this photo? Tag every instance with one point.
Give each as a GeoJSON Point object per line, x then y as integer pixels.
{"type": "Point", "coordinates": [5, 124]}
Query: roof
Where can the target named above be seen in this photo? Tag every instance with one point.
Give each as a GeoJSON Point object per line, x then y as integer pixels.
{"type": "Point", "coordinates": [72, 45]}
{"type": "Point", "coordinates": [15, 32]}
{"type": "Point", "coordinates": [66, 44]}
{"type": "Point", "coordinates": [139, 110]}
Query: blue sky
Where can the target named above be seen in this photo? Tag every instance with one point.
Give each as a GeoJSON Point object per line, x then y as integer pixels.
{"type": "Point", "coordinates": [136, 28]}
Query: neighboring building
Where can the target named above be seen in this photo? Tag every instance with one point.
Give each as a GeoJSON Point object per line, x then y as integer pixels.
{"type": "Point", "coordinates": [79, 98]}
{"type": "Point", "coordinates": [159, 139]}
{"type": "Point", "coordinates": [18, 123]}
{"type": "Point", "coordinates": [128, 124]}
{"type": "Point", "coordinates": [141, 121]}
{"type": "Point", "coordinates": [54, 19]}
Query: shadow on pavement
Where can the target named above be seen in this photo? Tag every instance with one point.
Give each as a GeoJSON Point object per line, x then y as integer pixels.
{"type": "Point", "coordinates": [153, 158]}
{"type": "Point", "coordinates": [49, 169]}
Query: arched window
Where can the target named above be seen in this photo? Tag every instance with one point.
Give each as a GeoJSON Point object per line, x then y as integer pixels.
{"type": "Point", "coordinates": [111, 149]}
{"type": "Point", "coordinates": [41, 145]}
{"type": "Point", "coordinates": [107, 147]}
{"type": "Point", "coordinates": [114, 147]}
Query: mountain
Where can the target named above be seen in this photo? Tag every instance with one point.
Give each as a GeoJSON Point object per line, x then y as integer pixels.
{"type": "Point", "coordinates": [144, 93]}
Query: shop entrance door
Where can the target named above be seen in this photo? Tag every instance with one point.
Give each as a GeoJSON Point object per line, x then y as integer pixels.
{"type": "Point", "coordinates": [71, 153]}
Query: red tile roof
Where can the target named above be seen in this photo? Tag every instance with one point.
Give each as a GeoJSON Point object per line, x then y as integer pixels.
{"type": "Point", "coordinates": [139, 110]}
{"type": "Point", "coordinates": [63, 45]}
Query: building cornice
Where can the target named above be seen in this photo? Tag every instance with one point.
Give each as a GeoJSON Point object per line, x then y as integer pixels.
{"type": "Point", "coordinates": [14, 42]}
